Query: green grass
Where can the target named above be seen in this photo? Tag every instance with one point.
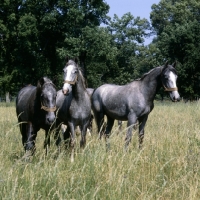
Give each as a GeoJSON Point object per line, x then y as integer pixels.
{"type": "Point", "coordinates": [166, 168]}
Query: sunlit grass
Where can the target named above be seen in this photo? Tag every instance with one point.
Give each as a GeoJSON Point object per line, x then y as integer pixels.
{"type": "Point", "coordinates": [166, 168]}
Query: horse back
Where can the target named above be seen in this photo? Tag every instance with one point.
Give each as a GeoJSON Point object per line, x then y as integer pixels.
{"type": "Point", "coordinates": [25, 103]}
{"type": "Point", "coordinates": [114, 93]}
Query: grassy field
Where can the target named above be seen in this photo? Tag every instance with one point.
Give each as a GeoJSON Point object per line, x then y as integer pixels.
{"type": "Point", "coordinates": [166, 168]}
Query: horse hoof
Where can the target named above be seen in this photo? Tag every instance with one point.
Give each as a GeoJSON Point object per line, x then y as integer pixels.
{"type": "Point", "coordinates": [28, 156]}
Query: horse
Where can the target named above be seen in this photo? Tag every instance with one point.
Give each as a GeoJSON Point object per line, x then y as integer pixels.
{"type": "Point", "coordinates": [89, 128]}
{"type": "Point", "coordinates": [74, 104]}
{"type": "Point", "coordinates": [35, 109]}
{"type": "Point", "coordinates": [134, 101]}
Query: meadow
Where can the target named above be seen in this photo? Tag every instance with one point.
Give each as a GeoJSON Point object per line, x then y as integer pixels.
{"type": "Point", "coordinates": [166, 168]}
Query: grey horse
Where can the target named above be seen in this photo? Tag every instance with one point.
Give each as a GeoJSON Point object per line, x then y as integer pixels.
{"type": "Point", "coordinates": [134, 101]}
{"type": "Point", "coordinates": [74, 104]}
{"type": "Point", "coordinates": [35, 108]}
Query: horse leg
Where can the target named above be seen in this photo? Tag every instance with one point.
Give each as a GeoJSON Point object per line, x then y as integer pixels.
{"type": "Point", "coordinates": [89, 126]}
{"type": "Point", "coordinates": [84, 128]}
{"type": "Point", "coordinates": [109, 126]}
{"type": "Point", "coordinates": [101, 125]}
{"type": "Point", "coordinates": [119, 125]}
{"type": "Point", "coordinates": [30, 142]}
{"type": "Point", "coordinates": [83, 135]}
{"type": "Point", "coordinates": [23, 133]}
{"type": "Point", "coordinates": [72, 142]}
{"type": "Point", "coordinates": [142, 121]}
{"type": "Point", "coordinates": [99, 118]}
{"type": "Point", "coordinates": [131, 122]}
{"type": "Point", "coordinates": [57, 137]}
{"type": "Point", "coordinates": [66, 137]}
{"type": "Point", "coordinates": [70, 134]}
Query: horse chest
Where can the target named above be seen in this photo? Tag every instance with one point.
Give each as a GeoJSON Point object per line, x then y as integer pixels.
{"type": "Point", "coordinates": [79, 108]}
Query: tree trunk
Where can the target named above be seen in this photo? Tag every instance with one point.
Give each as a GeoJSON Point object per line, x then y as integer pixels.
{"type": "Point", "coordinates": [7, 97]}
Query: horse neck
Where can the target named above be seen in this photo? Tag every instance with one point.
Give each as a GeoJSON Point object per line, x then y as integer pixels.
{"type": "Point", "coordinates": [152, 83]}
{"type": "Point", "coordinates": [79, 89]}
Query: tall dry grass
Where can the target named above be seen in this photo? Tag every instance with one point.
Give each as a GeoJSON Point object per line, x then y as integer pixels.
{"type": "Point", "coordinates": [166, 168]}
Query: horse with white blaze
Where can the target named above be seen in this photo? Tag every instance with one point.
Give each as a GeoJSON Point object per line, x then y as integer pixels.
{"type": "Point", "coordinates": [134, 101]}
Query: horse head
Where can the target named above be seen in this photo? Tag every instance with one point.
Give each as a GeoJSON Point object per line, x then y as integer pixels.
{"type": "Point", "coordinates": [71, 71]}
{"type": "Point", "coordinates": [169, 78]}
{"type": "Point", "coordinates": [47, 98]}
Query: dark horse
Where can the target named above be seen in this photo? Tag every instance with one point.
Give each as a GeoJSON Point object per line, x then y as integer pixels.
{"type": "Point", "coordinates": [134, 101]}
{"type": "Point", "coordinates": [35, 107]}
{"type": "Point", "coordinates": [74, 104]}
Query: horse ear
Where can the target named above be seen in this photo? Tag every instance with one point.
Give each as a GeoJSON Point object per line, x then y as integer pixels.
{"type": "Point", "coordinates": [166, 65]}
{"type": "Point", "coordinates": [67, 59]}
{"type": "Point", "coordinates": [76, 60]}
{"type": "Point", "coordinates": [55, 80]}
{"type": "Point", "coordinates": [42, 80]}
{"type": "Point", "coordinates": [174, 65]}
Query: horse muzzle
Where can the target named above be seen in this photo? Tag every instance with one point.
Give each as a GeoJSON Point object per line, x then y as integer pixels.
{"type": "Point", "coordinates": [65, 92]}
{"type": "Point", "coordinates": [175, 96]}
{"type": "Point", "coordinates": [50, 118]}
{"type": "Point", "coordinates": [67, 88]}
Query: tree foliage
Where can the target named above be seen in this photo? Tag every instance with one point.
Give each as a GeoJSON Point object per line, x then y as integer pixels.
{"type": "Point", "coordinates": [33, 31]}
{"type": "Point", "coordinates": [128, 34]}
{"type": "Point", "coordinates": [36, 36]}
{"type": "Point", "coordinates": [177, 24]}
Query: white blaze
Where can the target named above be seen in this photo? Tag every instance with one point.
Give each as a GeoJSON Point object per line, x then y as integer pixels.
{"type": "Point", "coordinates": [67, 86]}
{"type": "Point", "coordinates": [172, 84]}
{"type": "Point", "coordinates": [172, 79]}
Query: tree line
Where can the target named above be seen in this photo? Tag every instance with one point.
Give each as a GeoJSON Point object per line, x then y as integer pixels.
{"type": "Point", "coordinates": [36, 36]}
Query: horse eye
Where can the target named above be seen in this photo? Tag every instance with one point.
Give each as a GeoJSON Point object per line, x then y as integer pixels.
{"type": "Point", "coordinates": [64, 70]}
{"type": "Point", "coordinates": [166, 77]}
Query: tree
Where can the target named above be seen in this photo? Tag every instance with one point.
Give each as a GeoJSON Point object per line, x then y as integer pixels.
{"type": "Point", "coordinates": [8, 36]}
{"type": "Point", "coordinates": [96, 43]}
{"type": "Point", "coordinates": [32, 32]}
{"type": "Point", "coordinates": [177, 26]}
{"type": "Point", "coordinates": [79, 15]}
{"type": "Point", "coordinates": [128, 37]}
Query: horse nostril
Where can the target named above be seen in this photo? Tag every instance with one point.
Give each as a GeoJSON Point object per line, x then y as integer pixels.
{"type": "Point", "coordinates": [65, 91]}
{"type": "Point", "coordinates": [50, 120]}
{"type": "Point", "coordinates": [176, 98]}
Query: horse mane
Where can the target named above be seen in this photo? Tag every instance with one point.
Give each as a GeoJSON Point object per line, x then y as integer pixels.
{"type": "Point", "coordinates": [82, 77]}
{"type": "Point", "coordinates": [146, 74]}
